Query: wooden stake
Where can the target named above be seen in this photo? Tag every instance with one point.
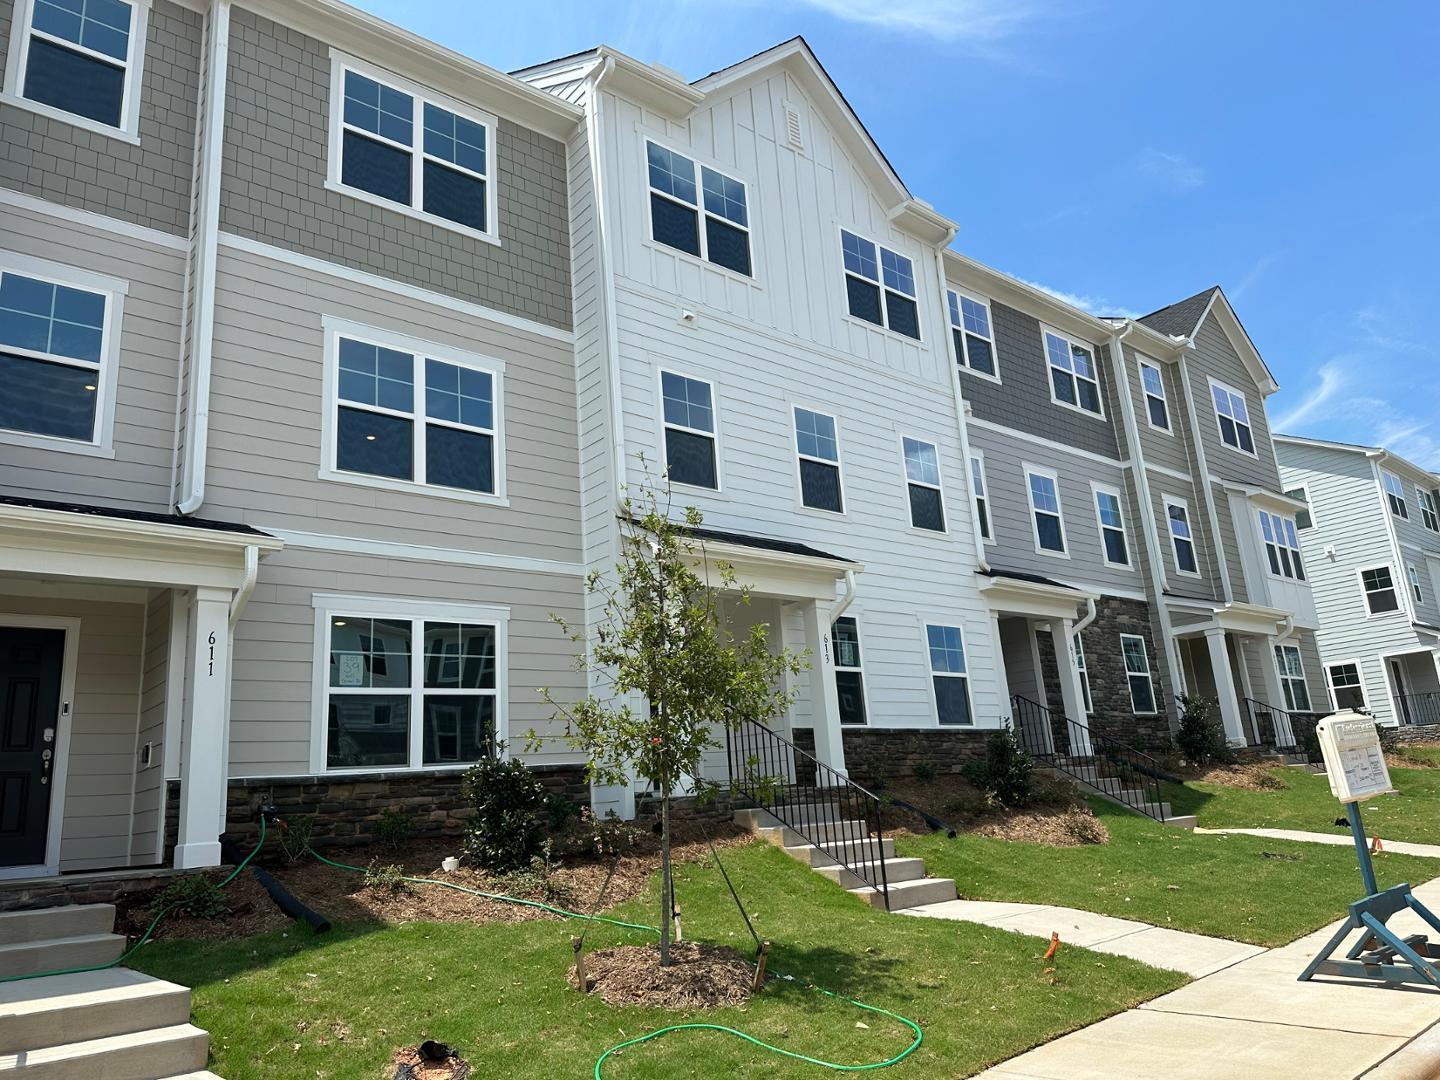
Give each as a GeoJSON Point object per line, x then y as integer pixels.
{"type": "Point", "coordinates": [760, 966]}
{"type": "Point", "coordinates": [581, 982]}
{"type": "Point", "coordinates": [678, 935]}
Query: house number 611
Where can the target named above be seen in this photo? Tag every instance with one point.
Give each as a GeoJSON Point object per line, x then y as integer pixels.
{"type": "Point", "coordinates": [212, 652]}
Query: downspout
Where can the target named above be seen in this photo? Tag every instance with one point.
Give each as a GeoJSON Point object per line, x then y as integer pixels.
{"type": "Point", "coordinates": [247, 584]}
{"type": "Point", "coordinates": [1089, 617]}
{"type": "Point", "coordinates": [845, 601]}
{"type": "Point", "coordinates": [202, 336]}
{"type": "Point", "coordinates": [957, 395]}
{"type": "Point", "coordinates": [1227, 593]}
{"type": "Point", "coordinates": [1289, 624]}
{"type": "Point", "coordinates": [607, 279]}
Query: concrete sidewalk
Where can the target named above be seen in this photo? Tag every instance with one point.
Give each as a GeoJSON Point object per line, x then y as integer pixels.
{"type": "Point", "coordinates": [1399, 847]}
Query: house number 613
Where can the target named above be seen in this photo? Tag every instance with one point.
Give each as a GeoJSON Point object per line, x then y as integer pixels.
{"type": "Point", "coordinates": [212, 652]}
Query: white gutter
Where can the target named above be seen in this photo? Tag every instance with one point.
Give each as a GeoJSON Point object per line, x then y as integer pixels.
{"type": "Point", "coordinates": [1090, 614]}
{"type": "Point", "coordinates": [845, 601]}
{"type": "Point", "coordinates": [202, 334]}
{"type": "Point", "coordinates": [247, 585]}
{"type": "Point", "coordinates": [1289, 624]}
{"type": "Point", "coordinates": [982, 564]}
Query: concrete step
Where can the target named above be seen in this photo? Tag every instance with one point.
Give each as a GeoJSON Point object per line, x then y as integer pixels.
{"type": "Point", "coordinates": [764, 819]}
{"type": "Point", "coordinates": [813, 856]}
{"type": "Point", "coordinates": [44, 924]}
{"type": "Point", "coordinates": [896, 870]}
{"type": "Point", "coordinates": [62, 1009]}
{"type": "Point", "coordinates": [58, 954]}
{"type": "Point", "coordinates": [906, 894]}
{"type": "Point", "coordinates": [822, 832]}
{"type": "Point", "coordinates": [141, 1055]}
{"type": "Point", "coordinates": [1181, 821]}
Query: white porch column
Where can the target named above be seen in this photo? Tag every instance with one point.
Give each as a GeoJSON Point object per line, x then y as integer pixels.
{"type": "Point", "coordinates": [1274, 692]}
{"type": "Point", "coordinates": [824, 700]}
{"type": "Point", "coordinates": [202, 769]}
{"type": "Point", "coordinates": [1062, 633]}
{"type": "Point", "coordinates": [1225, 687]}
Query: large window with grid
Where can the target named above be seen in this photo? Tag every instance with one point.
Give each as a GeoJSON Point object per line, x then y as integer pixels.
{"type": "Point", "coordinates": [1233, 416]}
{"type": "Point", "coordinates": [1425, 499]}
{"type": "Point", "coordinates": [1292, 678]}
{"type": "Point", "coordinates": [710, 220]}
{"type": "Point", "coordinates": [1395, 494]}
{"type": "Point", "coordinates": [1073, 378]}
{"type": "Point", "coordinates": [1282, 546]}
{"type": "Point", "coordinates": [880, 285]}
{"type": "Point", "coordinates": [973, 331]}
{"type": "Point", "coordinates": [949, 675]}
{"type": "Point", "coordinates": [1378, 585]}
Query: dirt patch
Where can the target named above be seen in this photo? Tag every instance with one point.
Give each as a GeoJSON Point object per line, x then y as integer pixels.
{"type": "Point", "coordinates": [1058, 815]}
{"type": "Point", "coordinates": [1248, 776]}
{"type": "Point", "coordinates": [1068, 827]}
{"type": "Point", "coordinates": [408, 1063]}
{"type": "Point", "coordinates": [1400, 757]}
{"type": "Point", "coordinates": [699, 976]}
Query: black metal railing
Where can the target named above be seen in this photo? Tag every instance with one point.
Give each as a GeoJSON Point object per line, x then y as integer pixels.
{"type": "Point", "coordinates": [824, 807]}
{"type": "Point", "coordinates": [1419, 710]}
{"type": "Point", "coordinates": [1125, 775]}
{"type": "Point", "coordinates": [1266, 730]}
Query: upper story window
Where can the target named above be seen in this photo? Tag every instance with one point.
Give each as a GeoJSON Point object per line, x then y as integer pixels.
{"type": "Point", "coordinates": [1157, 406]}
{"type": "Point", "coordinates": [1182, 540]}
{"type": "Point", "coordinates": [982, 501]}
{"type": "Point", "coordinates": [922, 479]}
{"type": "Point", "coordinates": [1304, 519]}
{"type": "Point", "coordinates": [1282, 546]}
{"type": "Point", "coordinates": [1292, 678]}
{"type": "Point", "coordinates": [1416, 590]}
{"type": "Point", "coordinates": [818, 448]}
{"type": "Point", "coordinates": [410, 414]}
{"type": "Point", "coordinates": [1137, 671]}
{"type": "Point", "coordinates": [948, 674]}
{"type": "Point", "coordinates": [1233, 416]}
{"type": "Point", "coordinates": [974, 334]}
{"type": "Point", "coordinates": [1395, 494]}
{"type": "Point", "coordinates": [849, 679]}
{"type": "Point", "coordinates": [1073, 380]}
{"type": "Point", "coordinates": [58, 355]}
{"type": "Point", "coordinates": [392, 146]}
{"type": "Point", "coordinates": [1049, 529]}
{"type": "Point", "coordinates": [1112, 527]}
{"type": "Point", "coordinates": [1428, 515]}
{"type": "Point", "coordinates": [676, 206]}
{"type": "Point", "coordinates": [880, 285]}
{"type": "Point", "coordinates": [79, 60]}
{"type": "Point", "coordinates": [1379, 588]}
{"type": "Point", "coordinates": [689, 421]}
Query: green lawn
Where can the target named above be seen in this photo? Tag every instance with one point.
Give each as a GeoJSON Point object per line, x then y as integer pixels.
{"type": "Point", "coordinates": [335, 1006]}
{"type": "Point", "coordinates": [1224, 886]}
{"type": "Point", "coordinates": [1304, 802]}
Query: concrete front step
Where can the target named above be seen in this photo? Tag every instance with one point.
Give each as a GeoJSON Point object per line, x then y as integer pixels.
{"type": "Point", "coordinates": [895, 870]}
{"type": "Point", "coordinates": [839, 851]}
{"type": "Point", "coordinates": [60, 954]}
{"type": "Point", "coordinates": [61, 1009]}
{"type": "Point", "coordinates": [764, 819]}
{"type": "Point", "coordinates": [143, 1055]}
{"type": "Point", "coordinates": [46, 924]}
{"type": "Point", "coordinates": [908, 894]}
{"type": "Point", "coordinates": [829, 832]}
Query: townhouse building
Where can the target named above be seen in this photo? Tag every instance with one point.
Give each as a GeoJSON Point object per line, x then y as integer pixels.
{"type": "Point", "coordinates": [1370, 536]}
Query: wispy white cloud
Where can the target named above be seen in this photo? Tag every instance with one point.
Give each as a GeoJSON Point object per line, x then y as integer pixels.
{"type": "Point", "coordinates": [1169, 170]}
{"type": "Point", "coordinates": [1248, 280]}
{"type": "Point", "coordinates": [1319, 399]}
{"type": "Point", "coordinates": [977, 21]}
{"type": "Point", "coordinates": [1094, 305]}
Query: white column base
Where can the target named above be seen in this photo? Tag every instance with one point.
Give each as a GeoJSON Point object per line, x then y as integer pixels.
{"type": "Point", "coordinates": [197, 856]}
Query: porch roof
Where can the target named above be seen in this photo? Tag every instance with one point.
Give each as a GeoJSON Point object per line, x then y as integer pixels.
{"type": "Point", "coordinates": [130, 515]}
{"type": "Point", "coordinates": [766, 543]}
{"type": "Point", "coordinates": [1010, 592]}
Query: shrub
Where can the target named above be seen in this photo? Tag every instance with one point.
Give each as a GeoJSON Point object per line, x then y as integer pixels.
{"type": "Point", "coordinates": [587, 835]}
{"type": "Point", "coordinates": [512, 813]}
{"type": "Point", "coordinates": [538, 881]}
{"type": "Point", "coordinates": [924, 772]}
{"type": "Point", "coordinates": [295, 835]}
{"type": "Point", "coordinates": [387, 877]}
{"type": "Point", "coordinates": [1201, 738]}
{"type": "Point", "coordinates": [1005, 774]}
{"type": "Point", "coordinates": [195, 895]}
{"type": "Point", "coordinates": [394, 829]}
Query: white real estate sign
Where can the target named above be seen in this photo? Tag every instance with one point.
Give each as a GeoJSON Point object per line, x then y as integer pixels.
{"type": "Point", "coordinates": [1354, 761]}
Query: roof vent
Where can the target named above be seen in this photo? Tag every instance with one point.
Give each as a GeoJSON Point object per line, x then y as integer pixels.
{"type": "Point", "coordinates": [794, 133]}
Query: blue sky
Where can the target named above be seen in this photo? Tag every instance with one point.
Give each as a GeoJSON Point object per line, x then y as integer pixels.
{"type": "Point", "coordinates": [1125, 154]}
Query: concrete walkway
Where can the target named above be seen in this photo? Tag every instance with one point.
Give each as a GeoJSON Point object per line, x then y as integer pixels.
{"type": "Point", "coordinates": [1399, 847]}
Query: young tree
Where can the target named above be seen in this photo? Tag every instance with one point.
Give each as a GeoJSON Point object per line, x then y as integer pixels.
{"type": "Point", "coordinates": [660, 637]}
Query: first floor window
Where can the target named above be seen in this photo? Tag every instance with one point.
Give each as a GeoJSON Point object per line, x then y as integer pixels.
{"type": "Point", "coordinates": [1156, 404]}
{"type": "Point", "coordinates": [1292, 678]}
{"type": "Point", "coordinates": [974, 337]}
{"type": "Point", "coordinates": [1112, 527]}
{"type": "Point", "coordinates": [1303, 518]}
{"type": "Point", "coordinates": [1233, 416]}
{"type": "Point", "coordinates": [1395, 494]}
{"type": "Point", "coordinates": [689, 414]}
{"type": "Point", "coordinates": [1137, 670]}
{"type": "Point", "coordinates": [1379, 588]}
{"type": "Point", "coordinates": [1347, 689]}
{"type": "Point", "coordinates": [818, 446]}
{"type": "Point", "coordinates": [53, 340]}
{"type": "Point", "coordinates": [1428, 515]}
{"type": "Point", "coordinates": [1182, 539]}
{"type": "Point", "coordinates": [1282, 546]}
{"type": "Point", "coordinates": [849, 681]}
{"type": "Point", "coordinates": [880, 285]}
{"type": "Point", "coordinates": [1073, 380]}
{"type": "Point", "coordinates": [409, 692]}
{"type": "Point", "coordinates": [982, 502]}
{"type": "Point", "coordinates": [677, 207]}
{"type": "Point", "coordinates": [1415, 589]}
{"type": "Point", "coordinates": [922, 475]}
{"type": "Point", "coordinates": [82, 57]}
{"type": "Point", "coordinates": [1045, 511]}
{"type": "Point", "coordinates": [948, 674]}
{"type": "Point", "coordinates": [1084, 673]}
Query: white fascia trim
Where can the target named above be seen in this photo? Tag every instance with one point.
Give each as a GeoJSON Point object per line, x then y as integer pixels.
{"type": "Point", "coordinates": [355, 545]}
{"type": "Point", "coordinates": [88, 219]}
{"type": "Point", "coordinates": [70, 524]}
{"type": "Point", "coordinates": [1050, 444]}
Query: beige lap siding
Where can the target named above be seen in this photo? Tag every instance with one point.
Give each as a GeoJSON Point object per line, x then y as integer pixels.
{"type": "Point", "coordinates": [272, 713]}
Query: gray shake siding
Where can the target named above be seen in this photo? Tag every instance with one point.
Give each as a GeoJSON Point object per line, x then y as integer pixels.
{"type": "Point", "coordinates": [147, 184]}
{"type": "Point", "coordinates": [273, 189]}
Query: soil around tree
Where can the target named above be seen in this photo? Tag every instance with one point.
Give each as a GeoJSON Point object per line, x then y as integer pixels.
{"type": "Point", "coordinates": [408, 1063]}
{"type": "Point", "coordinates": [699, 976]}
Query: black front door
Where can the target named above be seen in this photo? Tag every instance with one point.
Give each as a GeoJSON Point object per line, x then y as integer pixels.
{"type": "Point", "coordinates": [30, 663]}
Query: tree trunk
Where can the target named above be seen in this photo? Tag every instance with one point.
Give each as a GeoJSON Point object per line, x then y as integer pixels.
{"type": "Point", "coordinates": [666, 885]}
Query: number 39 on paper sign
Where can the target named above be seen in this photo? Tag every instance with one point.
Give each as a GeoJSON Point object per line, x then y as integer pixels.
{"type": "Point", "coordinates": [1354, 761]}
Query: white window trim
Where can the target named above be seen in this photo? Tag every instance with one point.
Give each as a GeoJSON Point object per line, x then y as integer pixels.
{"type": "Point", "coordinates": [1148, 673]}
{"type": "Point", "coordinates": [726, 171]}
{"type": "Point", "coordinates": [844, 510]}
{"type": "Point", "coordinates": [1425, 499]}
{"type": "Point", "coordinates": [102, 440]}
{"type": "Point", "coordinates": [964, 355]}
{"type": "Point", "coordinates": [1282, 541]}
{"type": "Point", "coordinates": [1302, 678]}
{"type": "Point", "coordinates": [1163, 397]}
{"type": "Point", "coordinates": [328, 605]}
{"type": "Point", "coordinates": [940, 487]}
{"type": "Point", "coordinates": [1309, 506]}
{"type": "Point", "coordinates": [1330, 681]}
{"type": "Point", "coordinates": [1249, 418]}
{"type": "Point", "coordinates": [341, 62]}
{"type": "Point", "coordinates": [864, 683]}
{"type": "Point", "coordinates": [1096, 490]}
{"type": "Point", "coordinates": [846, 272]}
{"type": "Point", "coordinates": [1396, 586]}
{"type": "Point", "coordinates": [19, 55]}
{"type": "Point", "coordinates": [335, 329]}
{"type": "Point", "coordinates": [931, 674]}
{"type": "Point", "coordinates": [714, 436]}
{"type": "Point", "coordinates": [1416, 590]}
{"type": "Point", "coordinates": [1404, 512]}
{"type": "Point", "coordinates": [1026, 469]}
{"type": "Point", "coordinates": [1166, 501]}
{"type": "Point", "coordinates": [1072, 341]}
{"type": "Point", "coordinates": [987, 536]}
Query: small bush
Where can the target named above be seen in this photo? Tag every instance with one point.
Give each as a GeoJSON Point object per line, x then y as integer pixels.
{"type": "Point", "coordinates": [195, 895]}
{"type": "Point", "coordinates": [394, 829]}
{"type": "Point", "coordinates": [1005, 774]}
{"type": "Point", "coordinates": [538, 881]}
{"type": "Point", "coordinates": [1201, 738]}
{"type": "Point", "coordinates": [512, 814]}
{"type": "Point", "coordinates": [295, 833]}
{"type": "Point", "coordinates": [386, 876]}
{"type": "Point", "coordinates": [924, 772]}
{"type": "Point", "coordinates": [587, 835]}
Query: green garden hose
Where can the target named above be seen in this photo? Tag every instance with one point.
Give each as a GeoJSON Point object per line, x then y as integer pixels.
{"type": "Point", "coordinates": [600, 1061]}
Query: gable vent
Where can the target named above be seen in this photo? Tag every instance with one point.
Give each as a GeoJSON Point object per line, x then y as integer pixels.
{"type": "Point", "coordinates": [794, 133]}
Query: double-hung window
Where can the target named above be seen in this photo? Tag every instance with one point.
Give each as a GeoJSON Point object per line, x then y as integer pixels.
{"type": "Point", "coordinates": [58, 354]}
{"type": "Point", "coordinates": [1416, 590]}
{"type": "Point", "coordinates": [1137, 671]}
{"type": "Point", "coordinates": [1347, 688]}
{"type": "Point", "coordinates": [1157, 406]}
{"type": "Point", "coordinates": [1043, 488]}
{"type": "Point", "coordinates": [948, 674]}
{"type": "Point", "coordinates": [1304, 519]}
{"type": "Point", "coordinates": [922, 480]}
{"type": "Point", "coordinates": [1084, 672]}
{"type": "Point", "coordinates": [880, 285]}
{"type": "Point", "coordinates": [1379, 587]}
{"type": "Point", "coordinates": [408, 412]}
{"type": "Point", "coordinates": [1233, 416]}
{"type": "Point", "coordinates": [982, 501]}
{"type": "Point", "coordinates": [407, 691]}
{"type": "Point", "coordinates": [817, 446]}
{"type": "Point", "coordinates": [1182, 540]}
{"type": "Point", "coordinates": [79, 60]}
{"type": "Point", "coordinates": [689, 421]}
{"type": "Point", "coordinates": [391, 145]}
{"type": "Point", "coordinates": [849, 680]}
{"type": "Point", "coordinates": [1395, 494]}
{"type": "Point", "coordinates": [677, 207]}
{"type": "Point", "coordinates": [1073, 380]}
{"type": "Point", "coordinates": [1282, 546]}
{"type": "Point", "coordinates": [1292, 678]}
{"type": "Point", "coordinates": [1112, 526]}
{"type": "Point", "coordinates": [974, 335]}
{"type": "Point", "coordinates": [1428, 515]}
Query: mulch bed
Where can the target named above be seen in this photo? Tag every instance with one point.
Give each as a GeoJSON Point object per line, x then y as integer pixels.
{"type": "Point", "coordinates": [1247, 776]}
{"type": "Point", "coordinates": [699, 976]}
{"type": "Point", "coordinates": [1059, 817]}
{"type": "Point", "coordinates": [1067, 827]}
